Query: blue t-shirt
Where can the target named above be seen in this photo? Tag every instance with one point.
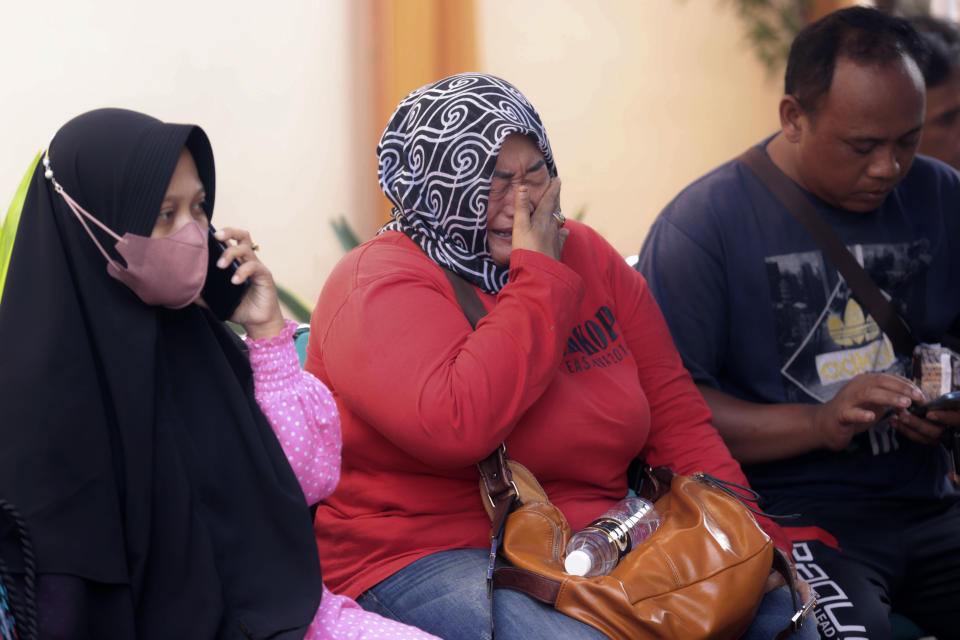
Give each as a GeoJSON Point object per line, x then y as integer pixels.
{"type": "Point", "coordinates": [759, 313]}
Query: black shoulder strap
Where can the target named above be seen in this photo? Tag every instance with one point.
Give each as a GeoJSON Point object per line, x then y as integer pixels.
{"type": "Point", "coordinates": [494, 472]}
{"type": "Point", "coordinates": [467, 297]}
{"type": "Point", "coordinates": [863, 287]}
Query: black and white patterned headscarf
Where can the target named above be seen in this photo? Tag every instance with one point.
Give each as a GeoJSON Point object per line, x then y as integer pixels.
{"type": "Point", "coordinates": [436, 160]}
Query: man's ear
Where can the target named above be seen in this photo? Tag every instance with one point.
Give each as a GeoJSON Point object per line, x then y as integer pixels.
{"type": "Point", "coordinates": [792, 118]}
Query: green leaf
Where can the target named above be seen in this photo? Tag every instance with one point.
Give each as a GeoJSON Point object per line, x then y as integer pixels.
{"type": "Point", "coordinates": [8, 228]}
{"type": "Point", "coordinates": [770, 26]}
{"type": "Point", "coordinates": [348, 239]}
{"type": "Point", "coordinates": [237, 328]}
{"type": "Point", "coordinates": [294, 304]}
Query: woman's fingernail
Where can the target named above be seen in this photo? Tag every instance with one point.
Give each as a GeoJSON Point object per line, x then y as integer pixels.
{"type": "Point", "coordinates": [235, 279]}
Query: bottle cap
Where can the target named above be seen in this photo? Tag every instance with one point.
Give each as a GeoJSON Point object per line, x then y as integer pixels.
{"type": "Point", "coordinates": [578, 563]}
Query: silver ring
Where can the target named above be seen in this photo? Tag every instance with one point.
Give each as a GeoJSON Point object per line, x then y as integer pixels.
{"type": "Point", "coordinates": [559, 217]}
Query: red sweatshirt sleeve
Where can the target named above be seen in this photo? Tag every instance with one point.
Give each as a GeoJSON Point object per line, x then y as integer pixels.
{"type": "Point", "coordinates": [682, 435]}
{"type": "Point", "coordinates": [401, 354]}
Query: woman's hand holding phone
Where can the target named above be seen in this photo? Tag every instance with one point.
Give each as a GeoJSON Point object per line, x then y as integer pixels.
{"type": "Point", "coordinates": [259, 309]}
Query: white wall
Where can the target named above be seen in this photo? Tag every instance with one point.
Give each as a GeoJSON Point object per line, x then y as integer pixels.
{"type": "Point", "coordinates": [639, 97]}
{"type": "Point", "coordinates": [266, 81]}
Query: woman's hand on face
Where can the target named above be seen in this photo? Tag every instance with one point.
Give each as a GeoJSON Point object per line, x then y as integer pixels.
{"type": "Point", "coordinates": [259, 311]}
{"type": "Point", "coordinates": [538, 230]}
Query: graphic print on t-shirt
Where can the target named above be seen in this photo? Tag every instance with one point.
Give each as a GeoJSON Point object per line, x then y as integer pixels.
{"type": "Point", "coordinates": [826, 338]}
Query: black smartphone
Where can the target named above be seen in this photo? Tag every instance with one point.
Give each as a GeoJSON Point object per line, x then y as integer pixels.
{"type": "Point", "coordinates": [222, 296]}
{"type": "Point", "coordinates": [946, 402]}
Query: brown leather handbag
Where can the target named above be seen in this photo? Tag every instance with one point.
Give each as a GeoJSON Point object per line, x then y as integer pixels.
{"type": "Point", "coordinates": [702, 574]}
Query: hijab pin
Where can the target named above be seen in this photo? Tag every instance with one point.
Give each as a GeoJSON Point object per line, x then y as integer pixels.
{"type": "Point", "coordinates": [48, 172]}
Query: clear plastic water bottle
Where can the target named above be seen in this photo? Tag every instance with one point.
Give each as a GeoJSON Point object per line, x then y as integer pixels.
{"type": "Point", "coordinates": [597, 548]}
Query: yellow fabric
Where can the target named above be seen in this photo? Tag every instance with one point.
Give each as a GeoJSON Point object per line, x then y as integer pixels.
{"type": "Point", "coordinates": [8, 227]}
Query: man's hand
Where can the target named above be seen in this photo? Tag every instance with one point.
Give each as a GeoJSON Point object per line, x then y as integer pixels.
{"type": "Point", "coordinates": [925, 430]}
{"type": "Point", "coordinates": [859, 404]}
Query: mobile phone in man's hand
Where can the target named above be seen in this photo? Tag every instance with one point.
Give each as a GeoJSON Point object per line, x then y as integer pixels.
{"type": "Point", "coordinates": [946, 402]}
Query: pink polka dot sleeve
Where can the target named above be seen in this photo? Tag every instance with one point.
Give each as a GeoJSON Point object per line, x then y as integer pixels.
{"type": "Point", "coordinates": [301, 411]}
{"type": "Point", "coordinates": [303, 414]}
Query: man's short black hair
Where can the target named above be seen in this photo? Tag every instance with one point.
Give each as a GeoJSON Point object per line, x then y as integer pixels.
{"type": "Point", "coordinates": [861, 34]}
{"type": "Point", "coordinates": [943, 39]}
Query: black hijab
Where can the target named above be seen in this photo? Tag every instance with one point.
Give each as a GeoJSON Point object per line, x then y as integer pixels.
{"type": "Point", "coordinates": [159, 501]}
{"type": "Point", "coordinates": [435, 161]}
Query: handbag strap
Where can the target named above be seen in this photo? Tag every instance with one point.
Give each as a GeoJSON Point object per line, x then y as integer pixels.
{"type": "Point", "coordinates": [467, 297]}
{"type": "Point", "coordinates": [493, 469]}
{"type": "Point", "coordinates": [494, 472]}
{"type": "Point", "coordinates": [864, 288]}
{"type": "Point", "coordinates": [781, 563]}
{"type": "Point", "coordinates": [501, 491]}
{"type": "Point", "coordinates": [744, 494]}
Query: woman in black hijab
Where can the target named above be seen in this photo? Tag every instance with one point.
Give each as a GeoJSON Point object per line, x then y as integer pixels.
{"type": "Point", "coordinates": [158, 501]}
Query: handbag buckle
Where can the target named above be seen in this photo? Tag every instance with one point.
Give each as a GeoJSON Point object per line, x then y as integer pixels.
{"type": "Point", "coordinates": [797, 620]}
{"type": "Point", "coordinates": [516, 492]}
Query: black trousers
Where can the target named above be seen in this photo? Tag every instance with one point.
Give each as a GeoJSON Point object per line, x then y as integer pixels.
{"type": "Point", "coordinates": [866, 559]}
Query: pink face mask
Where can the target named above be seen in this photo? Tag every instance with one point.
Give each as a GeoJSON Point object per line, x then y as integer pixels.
{"type": "Point", "coordinates": [166, 272]}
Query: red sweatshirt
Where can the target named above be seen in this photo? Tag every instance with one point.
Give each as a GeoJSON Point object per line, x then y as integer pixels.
{"type": "Point", "coordinates": [573, 367]}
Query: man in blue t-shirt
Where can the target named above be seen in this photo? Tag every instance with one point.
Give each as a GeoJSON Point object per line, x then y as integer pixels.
{"type": "Point", "coordinates": [803, 384]}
